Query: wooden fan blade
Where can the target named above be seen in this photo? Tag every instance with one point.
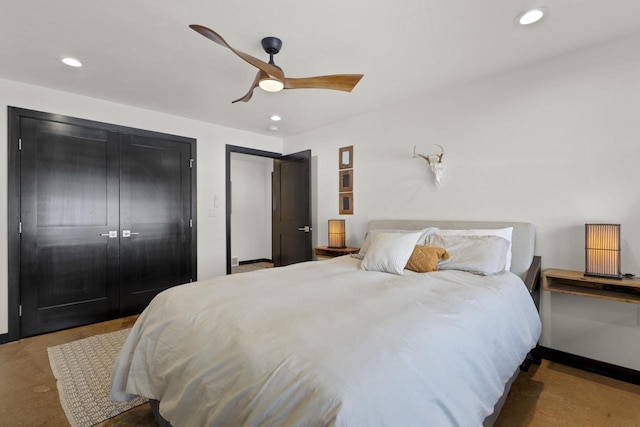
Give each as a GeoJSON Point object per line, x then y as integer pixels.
{"type": "Point", "coordinates": [345, 82]}
{"type": "Point", "coordinates": [269, 69]}
{"type": "Point", "coordinates": [254, 85]}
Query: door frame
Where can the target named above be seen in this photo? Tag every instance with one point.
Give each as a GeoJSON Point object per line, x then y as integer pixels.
{"type": "Point", "coordinates": [242, 150]}
{"type": "Point", "coordinates": [13, 196]}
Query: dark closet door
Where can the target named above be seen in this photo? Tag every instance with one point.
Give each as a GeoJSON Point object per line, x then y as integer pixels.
{"type": "Point", "coordinates": [68, 207]}
{"type": "Point", "coordinates": [292, 209]}
{"type": "Point", "coordinates": [155, 215]}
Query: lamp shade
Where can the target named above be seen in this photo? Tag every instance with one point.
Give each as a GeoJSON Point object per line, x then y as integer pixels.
{"type": "Point", "coordinates": [602, 250]}
{"type": "Point", "coordinates": [337, 233]}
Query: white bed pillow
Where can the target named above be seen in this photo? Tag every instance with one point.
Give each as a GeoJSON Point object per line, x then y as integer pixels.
{"type": "Point", "coordinates": [485, 255]}
{"type": "Point", "coordinates": [389, 252]}
{"type": "Point", "coordinates": [505, 233]}
{"type": "Point", "coordinates": [368, 238]}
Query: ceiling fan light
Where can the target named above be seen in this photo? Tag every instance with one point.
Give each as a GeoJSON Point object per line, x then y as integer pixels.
{"type": "Point", "coordinates": [271, 85]}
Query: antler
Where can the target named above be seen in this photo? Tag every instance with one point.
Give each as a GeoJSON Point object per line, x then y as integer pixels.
{"type": "Point", "coordinates": [439, 155]}
{"type": "Point", "coordinates": [423, 156]}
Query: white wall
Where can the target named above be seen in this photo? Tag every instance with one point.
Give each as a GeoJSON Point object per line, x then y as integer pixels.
{"type": "Point", "coordinates": [250, 207]}
{"type": "Point", "coordinates": [210, 163]}
{"type": "Point", "coordinates": [556, 144]}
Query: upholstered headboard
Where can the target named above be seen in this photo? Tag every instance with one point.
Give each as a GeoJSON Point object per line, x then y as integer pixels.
{"type": "Point", "coordinates": [523, 239]}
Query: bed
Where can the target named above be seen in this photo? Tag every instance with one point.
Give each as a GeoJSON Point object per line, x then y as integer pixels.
{"type": "Point", "coordinates": [328, 343]}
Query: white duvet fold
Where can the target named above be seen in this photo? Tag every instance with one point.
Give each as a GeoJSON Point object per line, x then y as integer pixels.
{"type": "Point", "coordinates": [323, 343]}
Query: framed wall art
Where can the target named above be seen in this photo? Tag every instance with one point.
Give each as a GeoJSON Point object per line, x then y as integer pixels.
{"type": "Point", "coordinates": [346, 203]}
{"type": "Point", "coordinates": [345, 157]}
{"type": "Point", "coordinates": [345, 181]}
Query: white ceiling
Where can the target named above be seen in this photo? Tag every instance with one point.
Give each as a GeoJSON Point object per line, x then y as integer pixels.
{"type": "Point", "coordinates": [142, 52]}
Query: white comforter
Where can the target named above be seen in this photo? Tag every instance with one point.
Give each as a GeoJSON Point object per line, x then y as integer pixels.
{"type": "Point", "coordinates": [323, 343]}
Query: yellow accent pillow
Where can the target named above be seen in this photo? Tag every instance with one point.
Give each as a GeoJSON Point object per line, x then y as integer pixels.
{"type": "Point", "coordinates": [425, 258]}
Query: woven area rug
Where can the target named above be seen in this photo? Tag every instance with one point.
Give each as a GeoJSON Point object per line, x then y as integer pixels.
{"type": "Point", "coordinates": [83, 373]}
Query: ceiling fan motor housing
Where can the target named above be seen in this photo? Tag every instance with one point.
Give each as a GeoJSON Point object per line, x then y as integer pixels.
{"type": "Point", "coordinates": [271, 45]}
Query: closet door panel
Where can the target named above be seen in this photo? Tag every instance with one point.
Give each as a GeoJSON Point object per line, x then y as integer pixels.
{"type": "Point", "coordinates": [69, 197]}
{"type": "Point", "coordinates": [155, 209]}
{"type": "Point", "coordinates": [77, 186]}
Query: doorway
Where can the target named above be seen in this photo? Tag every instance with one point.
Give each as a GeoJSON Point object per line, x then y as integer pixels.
{"type": "Point", "coordinates": [290, 213]}
{"type": "Point", "coordinates": [251, 207]}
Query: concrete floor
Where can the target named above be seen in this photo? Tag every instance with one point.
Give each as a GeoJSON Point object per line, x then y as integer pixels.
{"type": "Point", "coordinates": [243, 268]}
{"type": "Point", "coordinates": [557, 395]}
{"type": "Point", "coordinates": [547, 395]}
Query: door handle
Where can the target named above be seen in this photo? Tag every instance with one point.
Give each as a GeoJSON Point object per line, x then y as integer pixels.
{"type": "Point", "coordinates": [112, 234]}
{"type": "Point", "coordinates": [128, 233]}
{"type": "Point", "coordinates": [306, 229]}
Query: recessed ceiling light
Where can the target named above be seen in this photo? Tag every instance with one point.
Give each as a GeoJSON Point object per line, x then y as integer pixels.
{"type": "Point", "coordinates": [276, 118]}
{"type": "Point", "coordinates": [531, 16]}
{"type": "Point", "coordinates": [72, 62]}
{"type": "Point", "coordinates": [273, 128]}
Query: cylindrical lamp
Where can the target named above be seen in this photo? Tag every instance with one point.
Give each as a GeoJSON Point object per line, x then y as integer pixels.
{"type": "Point", "coordinates": [336, 233]}
{"type": "Point", "coordinates": [602, 250]}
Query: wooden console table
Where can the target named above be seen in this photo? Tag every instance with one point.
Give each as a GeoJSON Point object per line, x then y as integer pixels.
{"type": "Point", "coordinates": [576, 283]}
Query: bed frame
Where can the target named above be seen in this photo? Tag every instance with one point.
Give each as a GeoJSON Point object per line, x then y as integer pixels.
{"type": "Point", "coordinates": [524, 263]}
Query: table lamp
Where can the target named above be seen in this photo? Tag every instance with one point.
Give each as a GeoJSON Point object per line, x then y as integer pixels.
{"type": "Point", "coordinates": [336, 233]}
{"type": "Point", "coordinates": [602, 250]}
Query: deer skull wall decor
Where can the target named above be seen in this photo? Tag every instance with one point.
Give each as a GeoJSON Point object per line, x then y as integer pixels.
{"type": "Point", "coordinates": [435, 165]}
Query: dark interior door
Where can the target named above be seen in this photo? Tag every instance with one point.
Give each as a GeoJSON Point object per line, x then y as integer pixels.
{"type": "Point", "coordinates": [68, 206]}
{"type": "Point", "coordinates": [155, 215]}
{"type": "Point", "coordinates": [292, 209]}
{"type": "Point", "coordinates": [102, 219]}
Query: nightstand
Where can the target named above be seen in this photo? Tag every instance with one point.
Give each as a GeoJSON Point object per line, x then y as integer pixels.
{"type": "Point", "coordinates": [325, 252]}
{"type": "Point", "coordinates": [576, 283]}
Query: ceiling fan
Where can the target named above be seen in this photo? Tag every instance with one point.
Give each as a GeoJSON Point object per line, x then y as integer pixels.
{"type": "Point", "coordinates": [271, 78]}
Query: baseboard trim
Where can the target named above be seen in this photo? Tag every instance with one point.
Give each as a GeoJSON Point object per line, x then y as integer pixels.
{"type": "Point", "coordinates": [254, 261]}
{"type": "Point", "coordinates": [4, 338]}
{"type": "Point", "coordinates": [597, 367]}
